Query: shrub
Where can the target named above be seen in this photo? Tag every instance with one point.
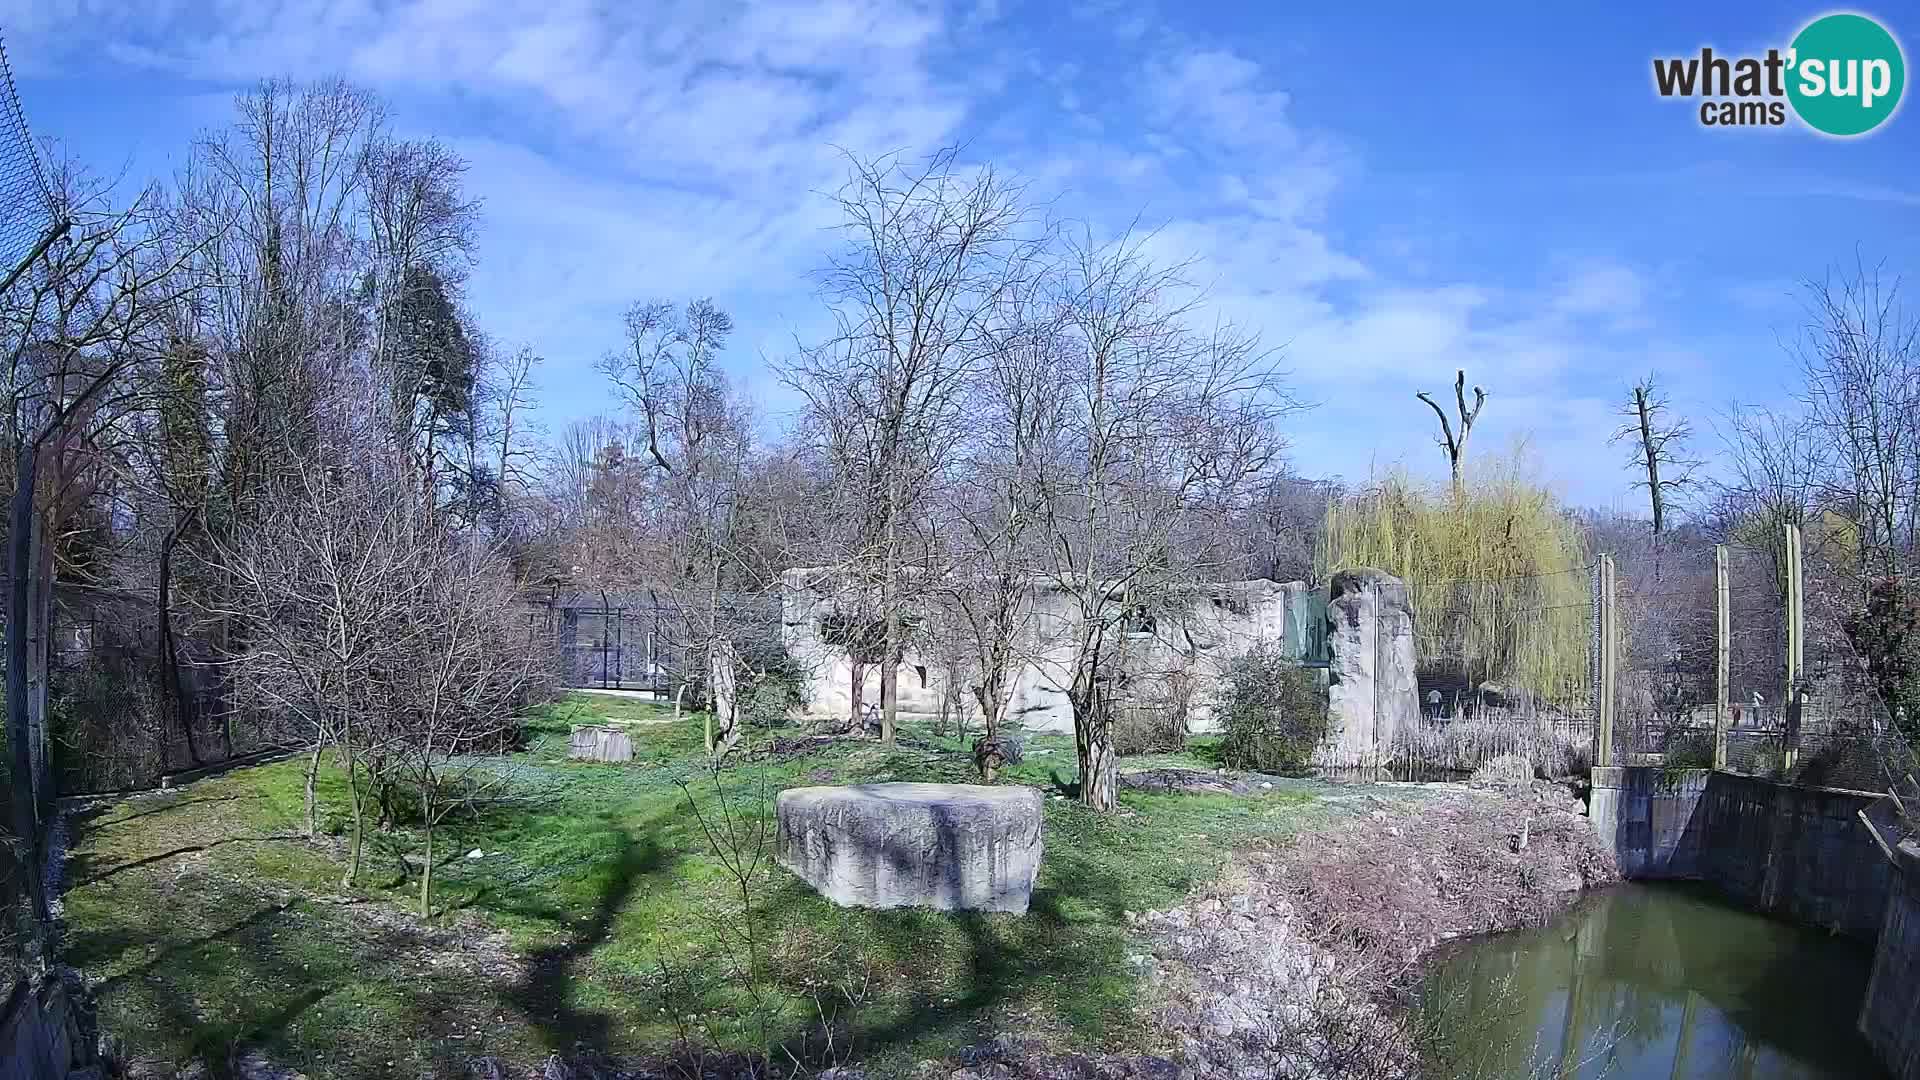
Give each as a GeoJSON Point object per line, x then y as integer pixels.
{"type": "Point", "coordinates": [1272, 712]}
{"type": "Point", "coordinates": [1148, 729]}
{"type": "Point", "coordinates": [772, 684]}
{"type": "Point", "coordinates": [1688, 750]}
{"type": "Point", "coordinates": [1465, 746]}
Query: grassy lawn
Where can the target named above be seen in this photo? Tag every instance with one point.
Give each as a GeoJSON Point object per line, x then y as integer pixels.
{"type": "Point", "coordinates": [599, 918]}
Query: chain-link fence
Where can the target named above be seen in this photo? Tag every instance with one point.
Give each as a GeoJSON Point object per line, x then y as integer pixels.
{"type": "Point", "coordinates": [645, 640]}
{"type": "Point", "coordinates": [122, 715]}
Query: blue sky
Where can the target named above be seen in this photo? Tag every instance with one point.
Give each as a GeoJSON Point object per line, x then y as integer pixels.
{"type": "Point", "coordinates": [1386, 191]}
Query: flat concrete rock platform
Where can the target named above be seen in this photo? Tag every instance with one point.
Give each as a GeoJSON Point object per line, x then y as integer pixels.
{"type": "Point", "coordinates": [950, 847]}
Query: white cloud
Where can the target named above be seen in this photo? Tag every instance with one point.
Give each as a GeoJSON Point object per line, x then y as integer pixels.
{"type": "Point", "coordinates": [677, 150]}
{"type": "Point", "coordinates": [1601, 289]}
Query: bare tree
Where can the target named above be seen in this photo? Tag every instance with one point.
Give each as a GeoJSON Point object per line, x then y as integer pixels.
{"type": "Point", "coordinates": [699, 446]}
{"type": "Point", "coordinates": [325, 579]}
{"type": "Point", "coordinates": [930, 251]}
{"type": "Point", "coordinates": [1776, 468]}
{"type": "Point", "coordinates": [1160, 430]}
{"type": "Point", "coordinates": [1860, 357]}
{"type": "Point", "coordinates": [1660, 449]}
{"type": "Point", "coordinates": [994, 496]}
{"type": "Point", "coordinates": [1455, 446]}
{"type": "Point", "coordinates": [463, 674]}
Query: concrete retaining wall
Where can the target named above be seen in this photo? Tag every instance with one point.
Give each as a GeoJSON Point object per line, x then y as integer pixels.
{"type": "Point", "coordinates": [1646, 818]}
{"type": "Point", "coordinates": [1890, 1016]}
{"type": "Point", "coordinates": [1795, 852]}
{"type": "Point", "coordinates": [1799, 853]}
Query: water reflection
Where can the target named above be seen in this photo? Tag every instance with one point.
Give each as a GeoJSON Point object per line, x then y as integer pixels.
{"type": "Point", "coordinates": [1654, 981]}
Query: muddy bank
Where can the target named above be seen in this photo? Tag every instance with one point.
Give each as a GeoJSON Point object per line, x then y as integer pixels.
{"type": "Point", "coordinates": [1303, 960]}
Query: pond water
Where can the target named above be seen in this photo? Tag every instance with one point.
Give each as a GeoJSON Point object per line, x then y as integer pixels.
{"type": "Point", "coordinates": [1656, 981]}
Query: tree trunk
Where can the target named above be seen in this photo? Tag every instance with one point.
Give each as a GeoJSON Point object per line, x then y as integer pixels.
{"type": "Point", "coordinates": [26, 813]}
{"type": "Point", "coordinates": [1652, 456]}
{"type": "Point", "coordinates": [889, 695]}
{"type": "Point", "coordinates": [312, 804]}
{"type": "Point", "coordinates": [890, 603]}
{"type": "Point", "coordinates": [858, 694]}
{"type": "Point", "coordinates": [989, 694]}
{"type": "Point", "coordinates": [39, 645]}
{"type": "Point", "coordinates": [352, 875]}
{"type": "Point", "coordinates": [173, 701]}
{"type": "Point", "coordinates": [426, 870]}
{"type": "Point", "coordinates": [1093, 743]}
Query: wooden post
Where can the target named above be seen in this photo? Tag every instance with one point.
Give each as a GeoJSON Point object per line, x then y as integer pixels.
{"type": "Point", "coordinates": [1796, 597]}
{"type": "Point", "coordinates": [1603, 755]}
{"type": "Point", "coordinates": [1723, 647]}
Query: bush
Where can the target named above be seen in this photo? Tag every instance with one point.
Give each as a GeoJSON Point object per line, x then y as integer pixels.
{"type": "Point", "coordinates": [772, 685]}
{"type": "Point", "coordinates": [1688, 750]}
{"type": "Point", "coordinates": [1148, 729]}
{"type": "Point", "coordinates": [1272, 712]}
{"type": "Point", "coordinates": [1465, 746]}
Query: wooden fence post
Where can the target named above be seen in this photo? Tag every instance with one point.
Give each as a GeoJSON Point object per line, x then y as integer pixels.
{"type": "Point", "coordinates": [1723, 647]}
{"type": "Point", "coordinates": [1603, 755]}
{"type": "Point", "coordinates": [1796, 613]}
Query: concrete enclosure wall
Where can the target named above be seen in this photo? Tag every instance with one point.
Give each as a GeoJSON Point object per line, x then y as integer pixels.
{"type": "Point", "coordinates": [1890, 1017]}
{"type": "Point", "coordinates": [1795, 852]}
{"type": "Point", "coordinates": [1799, 853]}
{"type": "Point", "coordinates": [1196, 637]}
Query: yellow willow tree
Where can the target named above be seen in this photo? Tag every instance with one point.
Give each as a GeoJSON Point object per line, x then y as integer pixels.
{"type": "Point", "coordinates": [1497, 573]}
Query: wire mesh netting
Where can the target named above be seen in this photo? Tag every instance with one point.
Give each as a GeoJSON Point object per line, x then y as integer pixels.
{"type": "Point", "coordinates": [27, 207]}
{"type": "Point", "coordinates": [645, 639]}
{"type": "Point", "coordinates": [1666, 676]}
{"type": "Point", "coordinates": [1504, 670]}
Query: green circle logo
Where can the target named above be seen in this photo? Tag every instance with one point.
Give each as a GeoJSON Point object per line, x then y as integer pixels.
{"type": "Point", "coordinates": [1845, 74]}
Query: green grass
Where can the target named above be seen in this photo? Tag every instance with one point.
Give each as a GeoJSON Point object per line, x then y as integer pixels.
{"type": "Point", "coordinates": [600, 915]}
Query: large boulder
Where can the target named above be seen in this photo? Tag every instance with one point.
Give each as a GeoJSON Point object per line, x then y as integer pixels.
{"type": "Point", "coordinates": [593, 742]}
{"type": "Point", "coordinates": [951, 847]}
{"type": "Point", "coordinates": [1373, 693]}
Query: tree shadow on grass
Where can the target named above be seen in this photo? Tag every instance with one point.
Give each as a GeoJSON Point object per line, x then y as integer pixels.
{"type": "Point", "coordinates": [1061, 965]}
{"type": "Point", "coordinates": [545, 994]}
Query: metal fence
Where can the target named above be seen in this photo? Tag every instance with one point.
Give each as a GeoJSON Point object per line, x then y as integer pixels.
{"type": "Point", "coordinates": [644, 639]}
{"type": "Point", "coordinates": [1679, 655]}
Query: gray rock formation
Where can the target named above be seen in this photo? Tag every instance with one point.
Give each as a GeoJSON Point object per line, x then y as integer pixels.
{"type": "Point", "coordinates": [950, 847]}
{"type": "Point", "coordinates": [590, 743]}
{"type": "Point", "coordinates": [1372, 692]}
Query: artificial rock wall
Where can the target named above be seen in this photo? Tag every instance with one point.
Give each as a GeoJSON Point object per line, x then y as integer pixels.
{"type": "Point", "coordinates": [1198, 636]}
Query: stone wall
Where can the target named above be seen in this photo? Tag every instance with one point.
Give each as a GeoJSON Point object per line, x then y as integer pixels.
{"type": "Point", "coordinates": [1890, 1016]}
{"type": "Point", "coordinates": [1198, 635]}
{"type": "Point", "coordinates": [1795, 852]}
